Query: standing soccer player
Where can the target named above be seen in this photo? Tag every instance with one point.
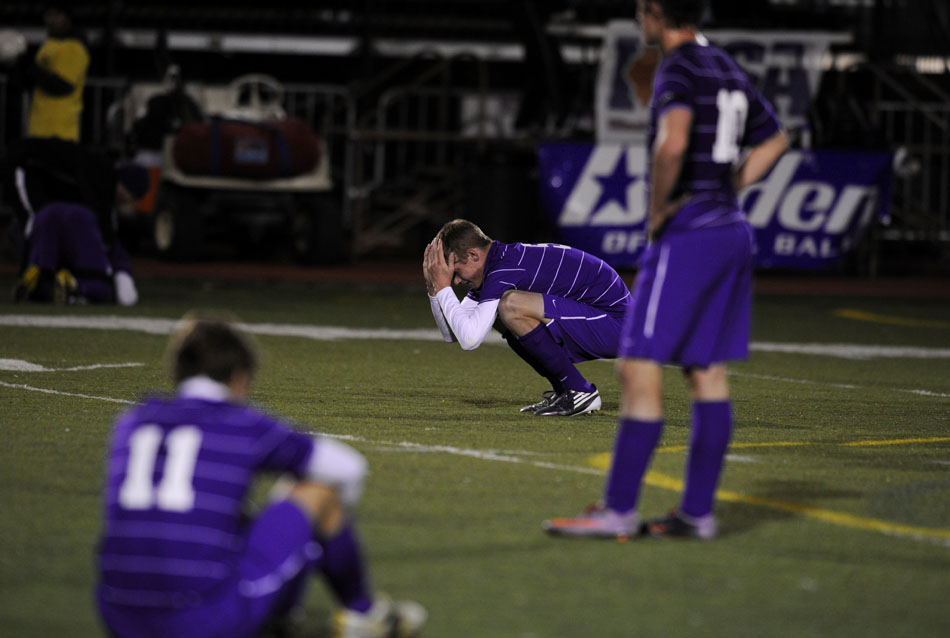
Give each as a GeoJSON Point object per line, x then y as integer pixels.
{"type": "Point", "coordinates": [179, 558]}
{"type": "Point", "coordinates": [557, 306]}
{"type": "Point", "coordinates": [693, 290]}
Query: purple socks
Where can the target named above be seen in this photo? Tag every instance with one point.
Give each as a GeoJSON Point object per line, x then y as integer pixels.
{"type": "Point", "coordinates": [515, 343]}
{"type": "Point", "coordinates": [551, 358]}
{"type": "Point", "coordinates": [633, 448]}
{"type": "Point", "coordinates": [345, 570]}
{"type": "Point", "coordinates": [712, 427]}
{"type": "Point", "coordinates": [634, 445]}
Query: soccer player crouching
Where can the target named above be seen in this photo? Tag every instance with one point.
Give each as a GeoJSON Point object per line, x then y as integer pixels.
{"type": "Point", "coordinates": [556, 306]}
{"type": "Point", "coordinates": [177, 556]}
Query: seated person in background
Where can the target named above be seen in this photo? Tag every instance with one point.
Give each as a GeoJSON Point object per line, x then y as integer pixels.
{"type": "Point", "coordinates": [66, 200]}
{"type": "Point", "coordinates": [178, 556]}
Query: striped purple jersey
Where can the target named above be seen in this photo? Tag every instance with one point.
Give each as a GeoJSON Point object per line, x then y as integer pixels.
{"type": "Point", "coordinates": [552, 269]}
{"type": "Point", "coordinates": [178, 473]}
{"type": "Point", "coordinates": [728, 115]}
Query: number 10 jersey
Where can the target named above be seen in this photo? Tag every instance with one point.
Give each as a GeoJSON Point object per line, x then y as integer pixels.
{"type": "Point", "coordinates": [729, 114]}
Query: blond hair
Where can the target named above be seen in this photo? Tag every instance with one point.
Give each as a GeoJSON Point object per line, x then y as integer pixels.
{"type": "Point", "coordinates": [459, 235]}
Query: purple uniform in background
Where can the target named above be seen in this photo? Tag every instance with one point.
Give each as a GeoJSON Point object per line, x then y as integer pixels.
{"type": "Point", "coordinates": [584, 296]}
{"type": "Point", "coordinates": [176, 557]}
{"type": "Point", "coordinates": [64, 235]}
{"type": "Point", "coordinates": [693, 290]}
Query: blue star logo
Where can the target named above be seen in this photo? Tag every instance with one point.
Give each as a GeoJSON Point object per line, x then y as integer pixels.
{"type": "Point", "coordinates": [614, 186]}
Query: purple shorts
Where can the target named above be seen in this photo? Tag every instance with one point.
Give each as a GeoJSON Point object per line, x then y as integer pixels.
{"type": "Point", "coordinates": [692, 297]}
{"type": "Point", "coordinates": [279, 557]}
{"type": "Point", "coordinates": [67, 236]}
{"type": "Point", "coordinates": [584, 331]}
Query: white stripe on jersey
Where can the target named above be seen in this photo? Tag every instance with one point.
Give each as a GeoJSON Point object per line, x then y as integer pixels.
{"type": "Point", "coordinates": [650, 323]}
{"type": "Point", "coordinates": [540, 263]}
{"type": "Point", "coordinates": [576, 275]}
{"type": "Point", "coordinates": [205, 502]}
{"type": "Point", "coordinates": [165, 566]}
{"type": "Point", "coordinates": [557, 272]}
{"type": "Point", "coordinates": [197, 534]}
{"type": "Point", "coordinates": [269, 583]}
{"type": "Point", "coordinates": [616, 278]}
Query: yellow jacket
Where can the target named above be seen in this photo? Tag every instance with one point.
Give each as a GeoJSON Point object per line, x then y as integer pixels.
{"type": "Point", "coordinates": [58, 116]}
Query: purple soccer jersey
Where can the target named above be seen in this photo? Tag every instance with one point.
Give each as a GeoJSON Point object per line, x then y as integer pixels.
{"type": "Point", "coordinates": [555, 270]}
{"type": "Point", "coordinates": [178, 473]}
{"type": "Point", "coordinates": [692, 296]}
{"type": "Point", "coordinates": [584, 296]}
{"type": "Point", "coordinates": [728, 115]}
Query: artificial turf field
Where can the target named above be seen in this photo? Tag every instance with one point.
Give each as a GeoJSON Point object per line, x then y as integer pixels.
{"type": "Point", "coordinates": [834, 507]}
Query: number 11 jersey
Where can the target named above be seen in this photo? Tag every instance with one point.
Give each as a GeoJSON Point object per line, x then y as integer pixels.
{"type": "Point", "coordinates": [179, 472]}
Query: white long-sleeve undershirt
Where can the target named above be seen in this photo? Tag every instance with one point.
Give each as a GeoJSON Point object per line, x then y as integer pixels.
{"type": "Point", "coordinates": [440, 319]}
{"type": "Point", "coordinates": [468, 321]}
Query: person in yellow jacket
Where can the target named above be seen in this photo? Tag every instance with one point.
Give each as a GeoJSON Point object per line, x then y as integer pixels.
{"type": "Point", "coordinates": [59, 74]}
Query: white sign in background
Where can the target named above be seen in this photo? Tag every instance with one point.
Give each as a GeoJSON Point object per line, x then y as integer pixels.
{"type": "Point", "coordinates": [785, 67]}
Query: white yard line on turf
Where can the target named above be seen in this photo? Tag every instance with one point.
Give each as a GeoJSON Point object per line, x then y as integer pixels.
{"type": "Point", "coordinates": [331, 333]}
{"type": "Point", "coordinates": [846, 386]}
{"type": "Point", "coordinates": [160, 326]}
{"type": "Point", "coordinates": [22, 386]}
{"type": "Point", "coordinates": [19, 365]}
{"type": "Point", "coordinates": [655, 479]}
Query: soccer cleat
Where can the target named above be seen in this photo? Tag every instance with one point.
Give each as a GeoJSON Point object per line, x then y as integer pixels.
{"type": "Point", "coordinates": [547, 397]}
{"type": "Point", "coordinates": [572, 403]}
{"type": "Point", "coordinates": [385, 619]}
{"type": "Point", "coordinates": [597, 521]}
{"type": "Point", "coordinates": [678, 525]}
{"type": "Point", "coordinates": [66, 289]}
{"type": "Point", "coordinates": [25, 288]}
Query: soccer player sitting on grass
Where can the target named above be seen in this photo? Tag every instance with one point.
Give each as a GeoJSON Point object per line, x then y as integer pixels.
{"type": "Point", "coordinates": [694, 286]}
{"type": "Point", "coordinates": [557, 306]}
{"type": "Point", "coordinates": [179, 558]}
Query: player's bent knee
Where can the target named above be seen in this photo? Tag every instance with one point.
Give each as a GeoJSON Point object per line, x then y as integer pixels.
{"type": "Point", "coordinates": [341, 467]}
{"type": "Point", "coordinates": [508, 306]}
{"type": "Point", "coordinates": [320, 503]}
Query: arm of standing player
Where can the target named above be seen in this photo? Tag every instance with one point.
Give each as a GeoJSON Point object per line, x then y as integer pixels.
{"type": "Point", "coordinates": [669, 150]}
{"type": "Point", "coordinates": [759, 160]}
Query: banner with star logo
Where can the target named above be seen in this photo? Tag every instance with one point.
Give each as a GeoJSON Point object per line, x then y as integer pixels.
{"type": "Point", "coordinates": [808, 212]}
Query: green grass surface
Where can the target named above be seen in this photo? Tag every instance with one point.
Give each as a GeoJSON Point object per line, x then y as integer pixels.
{"type": "Point", "coordinates": [825, 531]}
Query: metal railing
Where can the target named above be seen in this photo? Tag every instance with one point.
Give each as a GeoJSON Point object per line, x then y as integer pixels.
{"type": "Point", "coordinates": [411, 151]}
{"type": "Point", "coordinates": [394, 163]}
{"type": "Point", "coordinates": [919, 129]}
{"type": "Point", "coordinates": [398, 153]}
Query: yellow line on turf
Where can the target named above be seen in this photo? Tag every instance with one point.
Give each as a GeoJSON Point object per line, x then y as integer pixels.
{"type": "Point", "coordinates": [838, 518]}
{"type": "Point", "coordinates": [736, 446]}
{"type": "Point", "coordinates": [664, 481]}
{"type": "Point", "coordinates": [860, 315]}
{"type": "Point", "coordinates": [933, 439]}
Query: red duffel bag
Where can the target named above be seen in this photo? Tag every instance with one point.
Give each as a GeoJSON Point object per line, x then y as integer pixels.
{"type": "Point", "coordinates": [254, 150]}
